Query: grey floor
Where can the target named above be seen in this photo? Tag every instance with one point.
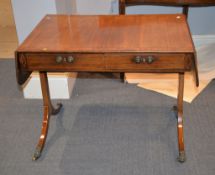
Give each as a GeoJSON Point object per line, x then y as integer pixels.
{"type": "Point", "coordinates": [106, 128]}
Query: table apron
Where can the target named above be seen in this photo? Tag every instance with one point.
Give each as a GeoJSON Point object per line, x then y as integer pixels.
{"type": "Point", "coordinates": [118, 62]}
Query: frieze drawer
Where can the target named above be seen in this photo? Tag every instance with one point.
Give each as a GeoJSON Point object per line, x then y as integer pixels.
{"type": "Point", "coordinates": [64, 62]}
{"type": "Point", "coordinates": [148, 62]}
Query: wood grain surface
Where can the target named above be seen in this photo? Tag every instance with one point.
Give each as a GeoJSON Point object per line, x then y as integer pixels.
{"type": "Point", "coordinates": [119, 33]}
{"type": "Point", "coordinates": [134, 43]}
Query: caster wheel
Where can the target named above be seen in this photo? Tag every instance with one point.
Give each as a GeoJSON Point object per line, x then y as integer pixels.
{"type": "Point", "coordinates": [182, 157]}
{"type": "Point", "coordinates": [37, 154]}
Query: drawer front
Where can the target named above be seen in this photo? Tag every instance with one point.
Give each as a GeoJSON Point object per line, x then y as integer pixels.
{"type": "Point", "coordinates": [65, 62]}
{"type": "Point", "coordinates": [147, 62]}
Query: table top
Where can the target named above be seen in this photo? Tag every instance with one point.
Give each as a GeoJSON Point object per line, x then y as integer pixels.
{"type": "Point", "coordinates": [110, 33]}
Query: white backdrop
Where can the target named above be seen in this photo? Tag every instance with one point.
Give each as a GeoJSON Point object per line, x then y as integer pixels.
{"type": "Point", "coordinates": [28, 13]}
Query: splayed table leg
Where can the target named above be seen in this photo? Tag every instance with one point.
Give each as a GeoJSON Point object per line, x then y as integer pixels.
{"type": "Point", "coordinates": [48, 111]}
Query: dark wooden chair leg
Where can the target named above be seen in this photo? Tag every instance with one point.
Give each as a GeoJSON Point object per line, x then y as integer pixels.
{"type": "Point", "coordinates": [48, 111]}
{"type": "Point", "coordinates": [121, 7]}
{"type": "Point", "coordinates": [122, 76]}
{"type": "Point", "coordinates": [185, 10]}
{"type": "Point", "coordinates": [181, 157]}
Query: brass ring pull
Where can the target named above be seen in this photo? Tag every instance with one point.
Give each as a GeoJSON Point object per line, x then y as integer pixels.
{"type": "Point", "coordinates": [141, 59]}
{"type": "Point", "coordinates": [70, 59]}
{"type": "Point", "coordinates": [59, 59]}
{"type": "Point", "coordinates": [150, 59]}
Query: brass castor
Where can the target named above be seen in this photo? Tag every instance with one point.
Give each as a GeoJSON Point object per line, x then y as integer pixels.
{"type": "Point", "coordinates": [37, 153]}
{"type": "Point", "coordinates": [57, 110]}
{"type": "Point", "coordinates": [182, 157]}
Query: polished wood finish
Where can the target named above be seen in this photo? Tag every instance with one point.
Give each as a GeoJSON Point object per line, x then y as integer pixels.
{"type": "Point", "coordinates": [179, 115]}
{"type": "Point", "coordinates": [180, 127]}
{"type": "Point", "coordinates": [185, 10]}
{"type": "Point", "coordinates": [122, 7]}
{"type": "Point", "coordinates": [185, 4]}
{"type": "Point", "coordinates": [48, 110]}
{"type": "Point", "coordinates": [134, 43]}
{"type": "Point", "coordinates": [109, 62]}
{"type": "Point", "coordinates": [86, 62]}
{"type": "Point", "coordinates": [62, 34]}
{"type": "Point", "coordinates": [161, 63]}
{"type": "Point", "coordinates": [102, 34]}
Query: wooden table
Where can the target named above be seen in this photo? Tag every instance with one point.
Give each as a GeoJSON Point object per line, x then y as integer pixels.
{"type": "Point", "coordinates": [116, 43]}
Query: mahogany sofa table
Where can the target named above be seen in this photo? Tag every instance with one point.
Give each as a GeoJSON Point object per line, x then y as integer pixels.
{"type": "Point", "coordinates": [115, 43]}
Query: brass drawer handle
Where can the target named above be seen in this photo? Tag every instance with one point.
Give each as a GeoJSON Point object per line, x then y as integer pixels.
{"type": "Point", "coordinates": [150, 59]}
{"type": "Point", "coordinates": [139, 59]}
{"type": "Point", "coordinates": [60, 59]}
{"type": "Point", "coordinates": [70, 59]}
{"type": "Point", "coordinates": [142, 59]}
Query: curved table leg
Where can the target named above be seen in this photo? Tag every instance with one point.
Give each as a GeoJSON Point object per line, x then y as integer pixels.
{"type": "Point", "coordinates": [181, 157]}
{"type": "Point", "coordinates": [48, 111]}
{"type": "Point", "coordinates": [179, 113]}
{"type": "Point", "coordinates": [43, 135]}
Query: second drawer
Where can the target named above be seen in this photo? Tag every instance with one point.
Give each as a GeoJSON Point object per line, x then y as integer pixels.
{"type": "Point", "coordinates": [148, 62]}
